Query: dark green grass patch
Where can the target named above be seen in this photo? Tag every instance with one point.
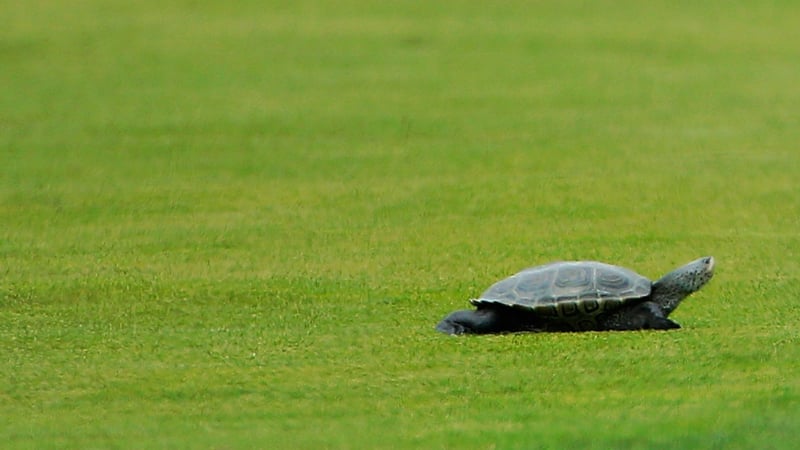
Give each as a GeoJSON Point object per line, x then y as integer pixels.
{"type": "Point", "coordinates": [235, 225]}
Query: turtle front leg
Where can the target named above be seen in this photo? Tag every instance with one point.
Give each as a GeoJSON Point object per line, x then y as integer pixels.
{"type": "Point", "coordinates": [644, 316]}
{"type": "Point", "coordinates": [470, 322]}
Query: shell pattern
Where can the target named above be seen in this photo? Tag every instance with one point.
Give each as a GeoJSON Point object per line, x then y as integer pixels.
{"type": "Point", "coordinates": [568, 291]}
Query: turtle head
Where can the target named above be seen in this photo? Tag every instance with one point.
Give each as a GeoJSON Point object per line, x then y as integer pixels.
{"type": "Point", "coordinates": [692, 276]}
{"type": "Point", "coordinates": [678, 284]}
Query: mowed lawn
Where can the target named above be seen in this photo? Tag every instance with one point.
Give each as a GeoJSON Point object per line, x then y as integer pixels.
{"type": "Point", "coordinates": [235, 225]}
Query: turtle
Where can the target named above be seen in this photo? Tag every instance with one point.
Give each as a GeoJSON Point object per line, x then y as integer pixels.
{"type": "Point", "coordinates": [580, 296]}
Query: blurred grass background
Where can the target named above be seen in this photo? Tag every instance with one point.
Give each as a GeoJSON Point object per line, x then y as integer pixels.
{"type": "Point", "coordinates": [235, 225]}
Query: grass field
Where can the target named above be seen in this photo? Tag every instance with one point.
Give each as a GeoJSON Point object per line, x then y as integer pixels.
{"type": "Point", "coordinates": [236, 225]}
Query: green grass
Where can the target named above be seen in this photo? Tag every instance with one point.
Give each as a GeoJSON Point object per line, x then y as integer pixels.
{"type": "Point", "coordinates": [233, 226]}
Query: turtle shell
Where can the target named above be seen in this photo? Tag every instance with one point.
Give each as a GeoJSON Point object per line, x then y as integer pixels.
{"type": "Point", "coordinates": [568, 290]}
